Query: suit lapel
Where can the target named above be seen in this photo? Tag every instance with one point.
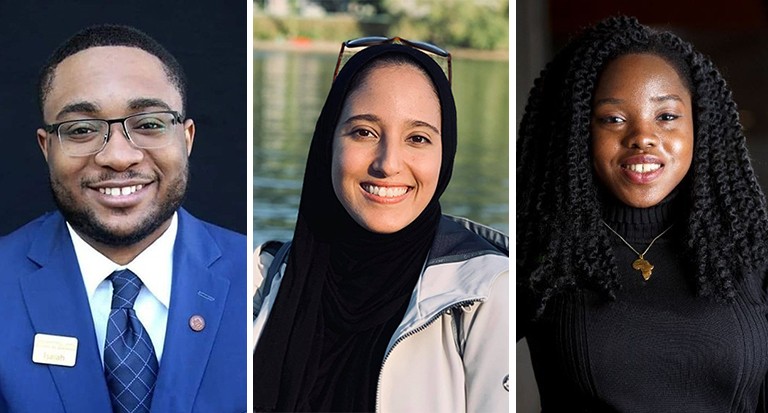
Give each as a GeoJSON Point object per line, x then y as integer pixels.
{"type": "Point", "coordinates": [57, 304]}
{"type": "Point", "coordinates": [196, 291]}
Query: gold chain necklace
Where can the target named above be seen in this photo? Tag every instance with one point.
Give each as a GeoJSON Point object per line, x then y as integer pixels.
{"type": "Point", "coordinates": [640, 264]}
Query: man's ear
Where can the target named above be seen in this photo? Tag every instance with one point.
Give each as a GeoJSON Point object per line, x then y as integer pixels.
{"type": "Point", "coordinates": [189, 134]}
{"type": "Point", "coordinates": [43, 142]}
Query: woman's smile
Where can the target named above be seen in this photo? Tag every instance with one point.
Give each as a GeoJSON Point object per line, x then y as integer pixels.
{"type": "Point", "coordinates": [642, 169]}
{"type": "Point", "coordinates": [385, 193]}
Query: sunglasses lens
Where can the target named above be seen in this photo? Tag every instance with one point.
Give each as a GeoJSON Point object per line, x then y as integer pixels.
{"type": "Point", "coordinates": [365, 41]}
{"type": "Point", "coordinates": [430, 48]}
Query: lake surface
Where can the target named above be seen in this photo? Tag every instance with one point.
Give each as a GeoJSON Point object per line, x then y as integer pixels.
{"type": "Point", "coordinates": [289, 89]}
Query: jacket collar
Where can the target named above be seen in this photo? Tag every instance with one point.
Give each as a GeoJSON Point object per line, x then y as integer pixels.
{"type": "Point", "coordinates": [461, 268]}
{"type": "Point", "coordinates": [57, 304]}
{"type": "Point", "coordinates": [197, 290]}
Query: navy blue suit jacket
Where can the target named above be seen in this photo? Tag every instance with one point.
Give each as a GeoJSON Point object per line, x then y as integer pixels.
{"type": "Point", "coordinates": [42, 291]}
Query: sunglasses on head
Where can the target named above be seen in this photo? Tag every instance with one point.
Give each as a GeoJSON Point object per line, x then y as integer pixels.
{"type": "Point", "coordinates": [350, 47]}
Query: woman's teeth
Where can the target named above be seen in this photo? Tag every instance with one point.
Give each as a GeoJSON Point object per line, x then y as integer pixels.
{"type": "Point", "coordinates": [642, 168]}
{"type": "Point", "coordinates": [386, 192]}
{"type": "Point", "coordinates": [126, 190]}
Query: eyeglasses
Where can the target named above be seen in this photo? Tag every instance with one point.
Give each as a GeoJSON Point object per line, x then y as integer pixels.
{"type": "Point", "coordinates": [83, 137]}
{"type": "Point", "coordinates": [440, 56]}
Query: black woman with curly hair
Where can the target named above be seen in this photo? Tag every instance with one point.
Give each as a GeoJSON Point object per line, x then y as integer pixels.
{"type": "Point", "coordinates": [641, 231]}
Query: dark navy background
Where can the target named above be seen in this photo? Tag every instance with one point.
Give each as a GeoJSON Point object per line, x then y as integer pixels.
{"type": "Point", "coordinates": [209, 40]}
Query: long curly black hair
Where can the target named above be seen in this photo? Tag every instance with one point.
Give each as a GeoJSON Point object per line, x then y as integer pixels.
{"type": "Point", "coordinates": [561, 244]}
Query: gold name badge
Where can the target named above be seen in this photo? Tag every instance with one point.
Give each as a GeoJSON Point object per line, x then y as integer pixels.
{"type": "Point", "coordinates": [56, 350]}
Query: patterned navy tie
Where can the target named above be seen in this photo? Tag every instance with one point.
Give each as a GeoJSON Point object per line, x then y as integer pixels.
{"type": "Point", "coordinates": [130, 363]}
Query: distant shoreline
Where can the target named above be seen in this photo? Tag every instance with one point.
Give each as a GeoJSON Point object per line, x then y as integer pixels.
{"type": "Point", "coordinates": [324, 46]}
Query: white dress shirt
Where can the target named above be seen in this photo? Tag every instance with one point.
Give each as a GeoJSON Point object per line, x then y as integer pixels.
{"type": "Point", "coordinates": [153, 266]}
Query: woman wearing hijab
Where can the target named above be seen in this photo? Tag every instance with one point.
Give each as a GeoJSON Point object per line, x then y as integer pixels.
{"type": "Point", "coordinates": [381, 303]}
{"type": "Point", "coordinates": [641, 229]}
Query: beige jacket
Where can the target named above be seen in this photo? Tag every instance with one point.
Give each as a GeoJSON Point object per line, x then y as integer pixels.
{"type": "Point", "coordinates": [450, 353]}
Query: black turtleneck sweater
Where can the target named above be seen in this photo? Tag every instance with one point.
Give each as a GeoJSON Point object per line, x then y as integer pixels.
{"type": "Point", "coordinates": [657, 347]}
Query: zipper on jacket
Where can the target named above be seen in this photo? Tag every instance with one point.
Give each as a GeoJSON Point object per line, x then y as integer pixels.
{"type": "Point", "coordinates": [457, 306]}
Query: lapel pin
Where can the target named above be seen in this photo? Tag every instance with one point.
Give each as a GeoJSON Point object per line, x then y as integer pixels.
{"type": "Point", "coordinates": [197, 323]}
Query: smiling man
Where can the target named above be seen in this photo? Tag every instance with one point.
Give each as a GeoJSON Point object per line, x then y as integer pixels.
{"type": "Point", "coordinates": [120, 300]}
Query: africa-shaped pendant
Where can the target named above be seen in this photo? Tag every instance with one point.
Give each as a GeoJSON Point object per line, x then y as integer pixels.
{"type": "Point", "coordinates": [645, 267]}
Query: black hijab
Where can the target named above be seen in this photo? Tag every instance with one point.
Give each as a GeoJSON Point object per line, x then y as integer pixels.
{"type": "Point", "coordinates": [345, 289]}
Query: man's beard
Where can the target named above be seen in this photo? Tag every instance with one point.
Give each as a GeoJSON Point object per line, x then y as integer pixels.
{"type": "Point", "coordinates": [85, 221]}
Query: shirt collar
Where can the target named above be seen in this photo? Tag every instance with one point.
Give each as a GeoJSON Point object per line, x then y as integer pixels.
{"type": "Point", "coordinates": [153, 266]}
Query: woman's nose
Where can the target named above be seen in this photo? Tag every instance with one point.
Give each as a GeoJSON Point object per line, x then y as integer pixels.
{"type": "Point", "coordinates": [642, 135]}
{"type": "Point", "coordinates": [388, 158]}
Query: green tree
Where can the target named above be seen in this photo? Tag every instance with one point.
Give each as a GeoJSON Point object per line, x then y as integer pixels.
{"type": "Point", "coordinates": [478, 24]}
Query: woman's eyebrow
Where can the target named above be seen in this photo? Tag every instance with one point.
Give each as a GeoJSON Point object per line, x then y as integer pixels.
{"type": "Point", "coordinates": [424, 124]}
{"type": "Point", "coordinates": [608, 101]}
{"type": "Point", "coordinates": [616, 101]}
{"type": "Point", "coordinates": [663, 98]}
{"type": "Point", "coordinates": [365, 116]}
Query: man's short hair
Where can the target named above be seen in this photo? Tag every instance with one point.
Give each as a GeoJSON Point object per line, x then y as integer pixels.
{"type": "Point", "coordinates": [112, 35]}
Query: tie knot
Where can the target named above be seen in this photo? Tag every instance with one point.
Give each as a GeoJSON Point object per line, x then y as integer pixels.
{"type": "Point", "coordinates": [125, 288]}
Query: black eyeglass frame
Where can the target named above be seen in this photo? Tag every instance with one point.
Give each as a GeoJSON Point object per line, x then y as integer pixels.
{"type": "Point", "coordinates": [54, 127]}
{"type": "Point", "coordinates": [376, 40]}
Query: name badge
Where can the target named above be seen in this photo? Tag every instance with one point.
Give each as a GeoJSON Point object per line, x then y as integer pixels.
{"type": "Point", "coordinates": [56, 350]}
